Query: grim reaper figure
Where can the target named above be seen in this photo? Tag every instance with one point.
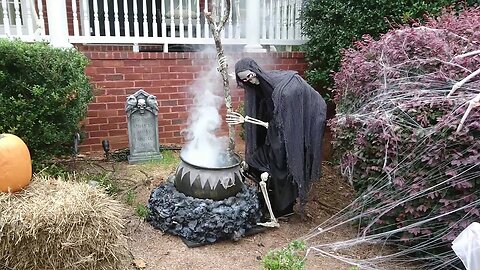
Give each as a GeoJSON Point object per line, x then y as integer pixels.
{"type": "Point", "coordinates": [285, 120]}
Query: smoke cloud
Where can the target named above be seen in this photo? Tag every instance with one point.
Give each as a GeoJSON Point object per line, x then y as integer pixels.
{"type": "Point", "coordinates": [204, 148]}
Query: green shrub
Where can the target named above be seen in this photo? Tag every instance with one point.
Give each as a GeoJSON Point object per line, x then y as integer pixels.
{"type": "Point", "coordinates": [289, 258]}
{"type": "Point", "coordinates": [335, 24]}
{"type": "Point", "coordinates": [44, 94]}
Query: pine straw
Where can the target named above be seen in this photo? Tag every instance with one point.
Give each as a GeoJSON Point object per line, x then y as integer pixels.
{"type": "Point", "coordinates": [56, 224]}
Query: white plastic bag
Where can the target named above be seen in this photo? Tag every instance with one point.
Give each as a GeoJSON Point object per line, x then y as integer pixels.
{"type": "Point", "coordinates": [467, 246]}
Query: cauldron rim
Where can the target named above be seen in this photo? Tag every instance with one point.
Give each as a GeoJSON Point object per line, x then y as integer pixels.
{"type": "Point", "coordinates": [236, 156]}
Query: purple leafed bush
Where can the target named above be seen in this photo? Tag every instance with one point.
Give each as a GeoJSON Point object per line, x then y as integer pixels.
{"type": "Point", "coordinates": [417, 178]}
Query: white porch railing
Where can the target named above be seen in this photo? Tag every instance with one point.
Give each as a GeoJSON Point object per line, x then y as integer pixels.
{"type": "Point", "coordinates": [63, 22]}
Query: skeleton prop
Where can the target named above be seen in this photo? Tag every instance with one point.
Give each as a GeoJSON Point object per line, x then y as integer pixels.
{"type": "Point", "coordinates": [289, 150]}
{"type": "Point", "coordinates": [234, 118]}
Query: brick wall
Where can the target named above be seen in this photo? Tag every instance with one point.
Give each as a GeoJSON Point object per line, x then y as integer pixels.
{"type": "Point", "coordinates": [168, 76]}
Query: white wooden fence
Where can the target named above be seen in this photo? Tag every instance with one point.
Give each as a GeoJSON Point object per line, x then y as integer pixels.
{"type": "Point", "coordinates": [63, 22]}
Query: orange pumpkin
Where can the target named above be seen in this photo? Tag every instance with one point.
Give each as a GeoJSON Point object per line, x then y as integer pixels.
{"type": "Point", "coordinates": [15, 163]}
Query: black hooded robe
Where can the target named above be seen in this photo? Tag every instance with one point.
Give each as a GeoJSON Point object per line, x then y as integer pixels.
{"type": "Point", "coordinates": [290, 149]}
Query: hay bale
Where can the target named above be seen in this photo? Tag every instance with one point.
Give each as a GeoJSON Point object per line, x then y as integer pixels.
{"type": "Point", "coordinates": [55, 224]}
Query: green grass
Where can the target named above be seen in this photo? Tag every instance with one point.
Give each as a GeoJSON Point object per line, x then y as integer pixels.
{"type": "Point", "coordinates": [106, 181]}
{"type": "Point", "coordinates": [142, 211]}
{"type": "Point", "coordinates": [169, 159]}
{"type": "Point", "coordinates": [130, 197]}
{"type": "Point", "coordinates": [288, 258]}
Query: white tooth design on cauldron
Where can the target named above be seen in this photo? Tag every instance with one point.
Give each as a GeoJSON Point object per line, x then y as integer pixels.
{"type": "Point", "coordinates": [203, 180]}
{"type": "Point", "coordinates": [225, 177]}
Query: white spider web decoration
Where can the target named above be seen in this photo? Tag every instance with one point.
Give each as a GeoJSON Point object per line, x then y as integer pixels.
{"type": "Point", "coordinates": [390, 106]}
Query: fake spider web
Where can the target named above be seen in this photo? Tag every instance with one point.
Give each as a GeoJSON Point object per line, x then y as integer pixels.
{"type": "Point", "coordinates": [394, 104]}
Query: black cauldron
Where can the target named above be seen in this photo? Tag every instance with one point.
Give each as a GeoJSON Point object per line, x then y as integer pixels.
{"type": "Point", "coordinates": [215, 183]}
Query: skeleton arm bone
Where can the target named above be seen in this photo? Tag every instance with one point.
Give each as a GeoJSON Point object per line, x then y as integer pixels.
{"type": "Point", "coordinates": [472, 53]}
{"type": "Point", "coordinates": [234, 118]}
{"type": "Point", "coordinates": [471, 104]}
{"type": "Point", "coordinates": [462, 82]}
{"type": "Point", "coordinates": [469, 77]}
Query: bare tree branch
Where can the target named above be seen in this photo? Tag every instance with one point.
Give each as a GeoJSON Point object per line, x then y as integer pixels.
{"type": "Point", "coordinates": [216, 29]}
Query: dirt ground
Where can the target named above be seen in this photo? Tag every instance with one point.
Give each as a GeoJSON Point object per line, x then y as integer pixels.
{"type": "Point", "coordinates": [158, 250]}
{"type": "Point", "coordinates": [163, 251]}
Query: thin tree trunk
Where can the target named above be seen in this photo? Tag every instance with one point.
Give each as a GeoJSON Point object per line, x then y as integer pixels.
{"type": "Point", "coordinates": [216, 28]}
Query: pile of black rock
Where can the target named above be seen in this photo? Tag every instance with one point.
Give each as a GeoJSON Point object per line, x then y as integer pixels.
{"type": "Point", "coordinates": [203, 221]}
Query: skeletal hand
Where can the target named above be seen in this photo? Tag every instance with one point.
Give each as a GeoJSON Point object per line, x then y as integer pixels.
{"type": "Point", "coordinates": [234, 118]}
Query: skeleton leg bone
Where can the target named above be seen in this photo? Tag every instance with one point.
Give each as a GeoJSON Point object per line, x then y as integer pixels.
{"type": "Point", "coordinates": [263, 186]}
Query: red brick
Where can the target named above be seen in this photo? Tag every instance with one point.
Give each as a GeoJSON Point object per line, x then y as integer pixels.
{"type": "Point", "coordinates": [91, 127]}
{"type": "Point", "coordinates": [117, 72]}
{"type": "Point", "coordinates": [100, 99]}
{"type": "Point", "coordinates": [114, 77]}
{"type": "Point", "coordinates": [92, 113]}
{"type": "Point", "coordinates": [113, 63]}
{"type": "Point", "coordinates": [133, 76]}
{"type": "Point", "coordinates": [98, 134]}
{"type": "Point", "coordinates": [97, 106]}
{"type": "Point", "coordinates": [117, 119]}
{"type": "Point", "coordinates": [164, 109]}
{"type": "Point", "coordinates": [108, 126]}
{"type": "Point", "coordinates": [105, 84]}
{"type": "Point", "coordinates": [117, 139]}
{"type": "Point", "coordinates": [179, 109]}
{"type": "Point", "coordinates": [178, 96]}
{"type": "Point", "coordinates": [104, 70]}
{"type": "Point", "coordinates": [124, 70]}
{"type": "Point", "coordinates": [170, 115]}
{"type": "Point", "coordinates": [124, 84]}
{"type": "Point", "coordinates": [179, 121]}
{"type": "Point", "coordinates": [90, 141]}
{"type": "Point", "coordinates": [173, 140]}
{"type": "Point", "coordinates": [117, 132]}
{"type": "Point", "coordinates": [142, 69]}
{"type": "Point", "coordinates": [151, 76]}
{"type": "Point", "coordinates": [107, 113]}
{"type": "Point", "coordinates": [164, 122]}
{"type": "Point", "coordinates": [169, 89]}
{"type": "Point", "coordinates": [143, 83]}
{"type": "Point", "coordinates": [165, 134]}
{"type": "Point", "coordinates": [160, 69]}
{"type": "Point", "coordinates": [184, 62]}
{"type": "Point", "coordinates": [185, 102]}
{"type": "Point", "coordinates": [97, 77]}
{"type": "Point", "coordinates": [168, 103]}
{"type": "Point", "coordinates": [115, 92]}
{"type": "Point", "coordinates": [116, 105]}
{"type": "Point", "coordinates": [168, 76]}
{"type": "Point", "coordinates": [92, 121]}
{"type": "Point", "coordinates": [185, 76]}
{"type": "Point", "coordinates": [172, 128]}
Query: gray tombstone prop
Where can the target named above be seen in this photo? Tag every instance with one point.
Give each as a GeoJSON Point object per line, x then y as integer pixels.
{"type": "Point", "coordinates": [142, 118]}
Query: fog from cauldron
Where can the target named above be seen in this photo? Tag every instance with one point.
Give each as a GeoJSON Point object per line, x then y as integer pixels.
{"type": "Point", "coordinates": [203, 147]}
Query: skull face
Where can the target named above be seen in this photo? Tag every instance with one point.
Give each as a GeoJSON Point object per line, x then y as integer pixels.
{"type": "Point", "coordinates": [248, 76]}
{"type": "Point", "coordinates": [141, 103]}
